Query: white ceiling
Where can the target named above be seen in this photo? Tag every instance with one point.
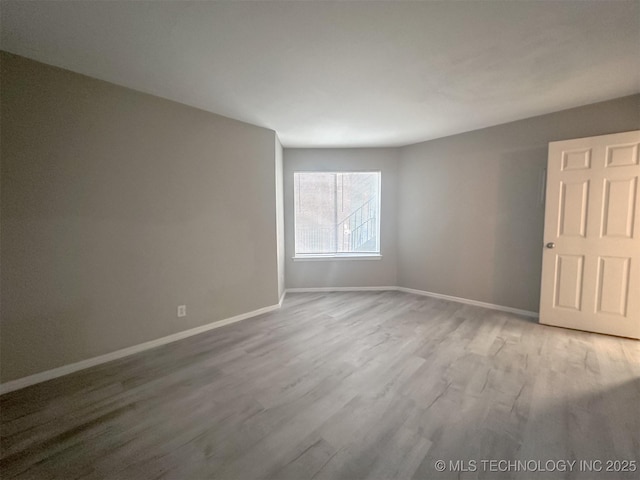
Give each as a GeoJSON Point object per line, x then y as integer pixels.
{"type": "Point", "coordinates": [345, 73]}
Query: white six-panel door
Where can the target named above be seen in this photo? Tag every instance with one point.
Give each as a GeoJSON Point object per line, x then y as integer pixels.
{"type": "Point", "coordinates": [591, 259]}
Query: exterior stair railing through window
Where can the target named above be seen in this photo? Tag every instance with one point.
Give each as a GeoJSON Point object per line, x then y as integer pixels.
{"type": "Point", "coordinates": [358, 229]}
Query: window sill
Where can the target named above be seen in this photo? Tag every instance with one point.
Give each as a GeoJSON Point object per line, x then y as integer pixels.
{"type": "Point", "coordinates": [331, 258]}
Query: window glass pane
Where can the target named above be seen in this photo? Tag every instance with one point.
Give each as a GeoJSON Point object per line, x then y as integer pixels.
{"type": "Point", "coordinates": [337, 212]}
{"type": "Point", "coordinates": [315, 212]}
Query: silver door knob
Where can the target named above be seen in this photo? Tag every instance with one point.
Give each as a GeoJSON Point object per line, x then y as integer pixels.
{"type": "Point", "coordinates": [551, 245]}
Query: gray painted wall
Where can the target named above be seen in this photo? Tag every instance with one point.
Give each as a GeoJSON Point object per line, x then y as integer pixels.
{"type": "Point", "coordinates": [118, 206]}
{"type": "Point", "coordinates": [344, 273]}
{"type": "Point", "coordinates": [470, 219]}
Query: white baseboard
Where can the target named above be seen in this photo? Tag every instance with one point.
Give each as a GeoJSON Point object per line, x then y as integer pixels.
{"type": "Point", "coordinates": [125, 352]}
{"type": "Point", "coordinates": [467, 301]}
{"type": "Point", "coordinates": [339, 289]}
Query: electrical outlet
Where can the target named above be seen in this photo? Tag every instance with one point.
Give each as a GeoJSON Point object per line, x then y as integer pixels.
{"type": "Point", "coordinates": [182, 310]}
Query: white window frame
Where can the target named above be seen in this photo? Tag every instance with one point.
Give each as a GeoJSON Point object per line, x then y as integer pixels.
{"type": "Point", "coordinates": [346, 255]}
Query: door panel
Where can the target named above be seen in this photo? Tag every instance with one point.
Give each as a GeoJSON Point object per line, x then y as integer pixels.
{"type": "Point", "coordinates": [568, 289]}
{"type": "Point", "coordinates": [618, 207]}
{"type": "Point", "coordinates": [591, 272]}
{"type": "Point", "coordinates": [613, 285]}
{"type": "Point", "coordinates": [622, 155]}
{"type": "Point", "coordinates": [577, 159]}
{"type": "Point", "coordinates": [574, 197]}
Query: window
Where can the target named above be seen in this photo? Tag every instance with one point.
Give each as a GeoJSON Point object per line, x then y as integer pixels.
{"type": "Point", "coordinates": [337, 214]}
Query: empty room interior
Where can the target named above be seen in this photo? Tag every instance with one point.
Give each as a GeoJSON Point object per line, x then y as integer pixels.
{"type": "Point", "coordinates": [320, 239]}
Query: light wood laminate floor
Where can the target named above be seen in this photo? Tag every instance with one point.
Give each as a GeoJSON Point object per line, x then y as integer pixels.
{"type": "Point", "coordinates": [337, 386]}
